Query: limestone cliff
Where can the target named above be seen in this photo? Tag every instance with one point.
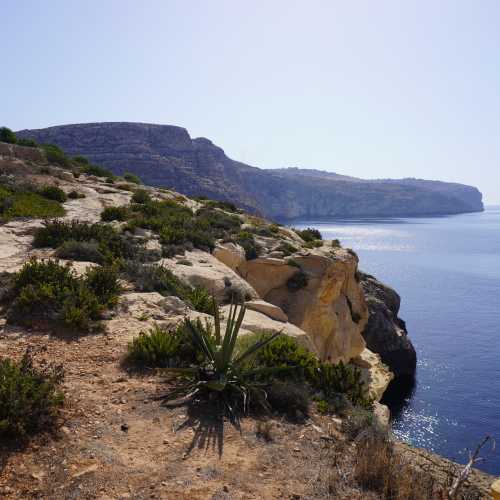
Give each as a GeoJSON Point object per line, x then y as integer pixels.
{"type": "Point", "coordinates": [385, 333]}
{"type": "Point", "coordinates": [165, 155]}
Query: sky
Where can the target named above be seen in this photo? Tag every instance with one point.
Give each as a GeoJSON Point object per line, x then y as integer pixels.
{"type": "Point", "coordinates": [366, 88]}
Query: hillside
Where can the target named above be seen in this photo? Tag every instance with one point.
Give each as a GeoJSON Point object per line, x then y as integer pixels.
{"type": "Point", "coordinates": [165, 155]}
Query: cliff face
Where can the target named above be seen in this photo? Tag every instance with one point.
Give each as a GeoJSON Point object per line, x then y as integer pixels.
{"type": "Point", "coordinates": [165, 155]}
{"type": "Point", "coordinates": [385, 333]}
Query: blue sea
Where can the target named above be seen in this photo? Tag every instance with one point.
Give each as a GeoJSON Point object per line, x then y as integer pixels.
{"type": "Point", "coordinates": [447, 271]}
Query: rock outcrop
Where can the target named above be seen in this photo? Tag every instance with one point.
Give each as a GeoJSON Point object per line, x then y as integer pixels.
{"type": "Point", "coordinates": [326, 301]}
{"type": "Point", "coordinates": [165, 155]}
{"type": "Point", "coordinates": [385, 333]}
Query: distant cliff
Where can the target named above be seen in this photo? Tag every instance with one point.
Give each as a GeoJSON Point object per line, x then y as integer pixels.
{"type": "Point", "coordinates": [165, 155]}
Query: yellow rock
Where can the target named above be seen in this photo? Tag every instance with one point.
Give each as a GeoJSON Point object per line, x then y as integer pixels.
{"type": "Point", "coordinates": [495, 490]}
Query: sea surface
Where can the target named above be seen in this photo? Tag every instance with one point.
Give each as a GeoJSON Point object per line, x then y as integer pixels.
{"type": "Point", "coordinates": [447, 271]}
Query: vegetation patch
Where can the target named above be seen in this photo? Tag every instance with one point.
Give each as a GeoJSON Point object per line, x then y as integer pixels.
{"type": "Point", "coordinates": [18, 202]}
{"type": "Point", "coordinates": [309, 234]}
{"type": "Point", "coordinates": [130, 177]}
{"type": "Point", "coordinates": [74, 195]}
{"type": "Point", "coordinates": [29, 397]}
{"type": "Point", "coordinates": [87, 251]}
{"type": "Point", "coordinates": [47, 292]}
{"type": "Point", "coordinates": [114, 213]}
{"type": "Point", "coordinates": [162, 348]}
{"type": "Point", "coordinates": [6, 135]}
{"type": "Point", "coordinates": [96, 170]}
{"type": "Point", "coordinates": [157, 278]}
{"type": "Point", "coordinates": [53, 193]}
{"type": "Point", "coordinates": [247, 240]}
{"type": "Point", "coordinates": [297, 281]}
{"type": "Point", "coordinates": [111, 244]}
{"type": "Point", "coordinates": [55, 155]}
{"type": "Point", "coordinates": [141, 196]}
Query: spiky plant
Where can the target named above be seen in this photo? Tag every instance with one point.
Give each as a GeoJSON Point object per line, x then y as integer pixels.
{"type": "Point", "coordinates": [224, 373]}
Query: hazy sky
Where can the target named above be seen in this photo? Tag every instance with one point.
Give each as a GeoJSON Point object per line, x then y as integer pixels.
{"type": "Point", "coordinates": [365, 88]}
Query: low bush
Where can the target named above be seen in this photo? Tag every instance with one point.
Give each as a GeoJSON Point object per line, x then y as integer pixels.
{"type": "Point", "coordinates": [28, 143]}
{"type": "Point", "coordinates": [161, 348]}
{"type": "Point", "coordinates": [313, 244]}
{"type": "Point", "coordinates": [141, 196]}
{"type": "Point", "coordinates": [247, 241]}
{"type": "Point", "coordinates": [288, 398]}
{"type": "Point", "coordinates": [27, 204]}
{"type": "Point", "coordinates": [96, 170]}
{"type": "Point", "coordinates": [309, 234]}
{"type": "Point", "coordinates": [223, 205]}
{"type": "Point", "coordinates": [81, 160]}
{"type": "Point", "coordinates": [201, 300]}
{"type": "Point", "coordinates": [29, 397]}
{"type": "Point", "coordinates": [130, 177]}
{"type": "Point", "coordinates": [112, 245]}
{"type": "Point", "coordinates": [336, 243]}
{"type": "Point", "coordinates": [45, 291]}
{"type": "Point", "coordinates": [114, 213]}
{"type": "Point", "coordinates": [74, 195]}
{"type": "Point", "coordinates": [87, 251]}
{"type": "Point", "coordinates": [53, 193]}
{"type": "Point", "coordinates": [287, 248]}
{"type": "Point", "coordinates": [55, 155]}
{"type": "Point", "coordinates": [6, 135]}
{"type": "Point", "coordinates": [157, 278]}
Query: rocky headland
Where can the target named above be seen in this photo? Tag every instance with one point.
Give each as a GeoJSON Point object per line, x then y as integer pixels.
{"type": "Point", "coordinates": [165, 155]}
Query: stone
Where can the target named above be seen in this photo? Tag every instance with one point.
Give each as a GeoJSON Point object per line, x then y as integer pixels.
{"type": "Point", "coordinates": [495, 490]}
{"type": "Point", "coordinates": [210, 273]}
{"type": "Point", "coordinates": [230, 254]}
{"type": "Point", "coordinates": [374, 373]}
{"type": "Point", "coordinates": [270, 310]}
{"type": "Point", "coordinates": [382, 414]}
{"type": "Point", "coordinates": [385, 333]}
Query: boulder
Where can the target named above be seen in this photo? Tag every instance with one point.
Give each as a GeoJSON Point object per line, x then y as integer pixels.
{"type": "Point", "coordinates": [270, 310]}
{"type": "Point", "coordinates": [385, 333]}
{"type": "Point", "coordinates": [230, 254]}
{"type": "Point", "coordinates": [375, 374]}
{"type": "Point", "coordinates": [209, 272]}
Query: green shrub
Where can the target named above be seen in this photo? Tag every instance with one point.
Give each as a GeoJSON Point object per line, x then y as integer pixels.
{"type": "Point", "coordinates": [201, 300]}
{"type": "Point", "coordinates": [26, 204]}
{"type": "Point", "coordinates": [309, 234]}
{"type": "Point", "coordinates": [141, 196]}
{"type": "Point", "coordinates": [297, 281]}
{"type": "Point", "coordinates": [81, 160]}
{"type": "Point", "coordinates": [285, 353]}
{"type": "Point", "coordinates": [130, 177]}
{"type": "Point", "coordinates": [103, 282]}
{"type": "Point", "coordinates": [114, 213]}
{"type": "Point", "coordinates": [53, 193]}
{"type": "Point", "coordinates": [155, 278]}
{"type": "Point", "coordinates": [55, 155]}
{"type": "Point", "coordinates": [313, 244]}
{"type": "Point", "coordinates": [74, 195]}
{"type": "Point", "coordinates": [286, 248]}
{"type": "Point", "coordinates": [29, 397]}
{"type": "Point", "coordinates": [87, 251]}
{"type": "Point", "coordinates": [223, 205]}
{"type": "Point", "coordinates": [6, 135]}
{"type": "Point", "coordinates": [125, 187]}
{"type": "Point", "coordinates": [112, 245]}
{"type": "Point", "coordinates": [29, 143]}
{"type": "Point", "coordinates": [288, 398]}
{"type": "Point", "coordinates": [184, 262]}
{"type": "Point", "coordinates": [44, 291]}
{"type": "Point", "coordinates": [247, 241]}
{"type": "Point", "coordinates": [336, 244]}
{"type": "Point", "coordinates": [96, 170]}
{"type": "Point", "coordinates": [160, 348]}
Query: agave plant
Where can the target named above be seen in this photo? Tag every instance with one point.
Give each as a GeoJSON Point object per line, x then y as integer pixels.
{"type": "Point", "coordinates": [224, 373]}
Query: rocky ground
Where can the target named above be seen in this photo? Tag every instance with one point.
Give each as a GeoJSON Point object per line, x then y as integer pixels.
{"type": "Point", "coordinates": [117, 440]}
